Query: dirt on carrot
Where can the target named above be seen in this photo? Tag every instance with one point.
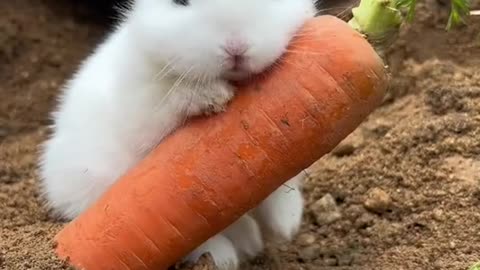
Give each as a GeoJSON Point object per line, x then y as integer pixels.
{"type": "Point", "coordinates": [402, 192]}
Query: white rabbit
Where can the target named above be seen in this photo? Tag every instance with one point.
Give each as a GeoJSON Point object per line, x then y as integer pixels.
{"type": "Point", "coordinates": [168, 60]}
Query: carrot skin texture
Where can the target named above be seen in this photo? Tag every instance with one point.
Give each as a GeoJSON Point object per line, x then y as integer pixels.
{"type": "Point", "coordinates": [207, 174]}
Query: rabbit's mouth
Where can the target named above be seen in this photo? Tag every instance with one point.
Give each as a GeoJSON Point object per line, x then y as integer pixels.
{"type": "Point", "coordinates": [236, 74]}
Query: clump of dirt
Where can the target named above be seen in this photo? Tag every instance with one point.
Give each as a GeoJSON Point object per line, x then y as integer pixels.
{"type": "Point", "coordinates": [401, 192]}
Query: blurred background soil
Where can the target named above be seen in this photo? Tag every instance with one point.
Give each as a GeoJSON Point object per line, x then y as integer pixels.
{"type": "Point", "coordinates": [402, 192]}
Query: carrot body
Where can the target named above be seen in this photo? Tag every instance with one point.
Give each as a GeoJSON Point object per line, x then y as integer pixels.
{"type": "Point", "coordinates": [210, 172]}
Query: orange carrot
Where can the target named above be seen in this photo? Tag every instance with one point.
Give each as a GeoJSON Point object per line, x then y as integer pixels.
{"type": "Point", "coordinates": [207, 174]}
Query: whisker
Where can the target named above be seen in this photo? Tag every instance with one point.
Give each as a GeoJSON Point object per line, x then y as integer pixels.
{"type": "Point", "coordinates": [165, 70]}
{"type": "Point", "coordinates": [193, 95]}
{"type": "Point", "coordinates": [304, 33]}
{"type": "Point", "coordinates": [174, 86]}
{"type": "Point", "coordinates": [304, 52]}
{"type": "Point", "coordinates": [295, 46]}
{"type": "Point", "coordinates": [346, 10]}
{"type": "Point", "coordinates": [328, 9]}
{"type": "Point", "coordinates": [302, 39]}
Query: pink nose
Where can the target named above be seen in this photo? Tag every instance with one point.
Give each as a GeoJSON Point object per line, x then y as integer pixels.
{"type": "Point", "coordinates": [236, 48]}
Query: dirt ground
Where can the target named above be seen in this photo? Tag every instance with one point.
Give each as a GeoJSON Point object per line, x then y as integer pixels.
{"type": "Point", "coordinates": [402, 192]}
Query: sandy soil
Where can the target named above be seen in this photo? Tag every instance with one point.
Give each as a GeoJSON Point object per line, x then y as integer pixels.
{"type": "Point", "coordinates": [402, 192]}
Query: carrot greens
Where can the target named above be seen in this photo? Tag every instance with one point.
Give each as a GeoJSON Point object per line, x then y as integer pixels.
{"type": "Point", "coordinates": [380, 20]}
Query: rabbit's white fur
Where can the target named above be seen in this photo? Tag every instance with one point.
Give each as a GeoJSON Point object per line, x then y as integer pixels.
{"type": "Point", "coordinates": [162, 64]}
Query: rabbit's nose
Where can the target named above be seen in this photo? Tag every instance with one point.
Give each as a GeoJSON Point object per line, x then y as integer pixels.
{"type": "Point", "coordinates": [236, 48]}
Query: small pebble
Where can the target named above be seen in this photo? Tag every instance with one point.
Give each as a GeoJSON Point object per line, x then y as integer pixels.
{"type": "Point", "coordinates": [438, 215]}
{"type": "Point", "coordinates": [458, 76]}
{"type": "Point", "coordinates": [310, 253]}
{"type": "Point", "coordinates": [438, 265]}
{"type": "Point", "coordinates": [306, 239]}
{"type": "Point", "coordinates": [452, 245]}
{"type": "Point", "coordinates": [330, 261]}
{"type": "Point", "coordinates": [25, 74]}
{"type": "Point", "coordinates": [377, 201]}
{"type": "Point", "coordinates": [53, 84]}
{"type": "Point", "coordinates": [343, 150]}
{"type": "Point", "coordinates": [326, 210]}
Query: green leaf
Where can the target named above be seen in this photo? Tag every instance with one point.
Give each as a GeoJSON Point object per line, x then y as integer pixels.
{"type": "Point", "coordinates": [410, 5]}
{"type": "Point", "coordinates": [460, 9]}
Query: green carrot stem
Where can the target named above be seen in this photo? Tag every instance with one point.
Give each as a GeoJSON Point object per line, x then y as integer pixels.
{"type": "Point", "coordinates": [378, 20]}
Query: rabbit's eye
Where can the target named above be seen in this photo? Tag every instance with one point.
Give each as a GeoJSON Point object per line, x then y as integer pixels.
{"type": "Point", "coordinates": [182, 2]}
